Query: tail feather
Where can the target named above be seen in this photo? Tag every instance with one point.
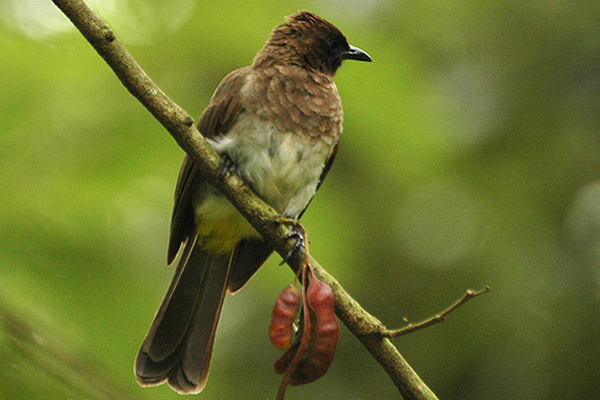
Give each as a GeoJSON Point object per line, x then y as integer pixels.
{"type": "Point", "coordinates": [250, 254]}
{"type": "Point", "coordinates": [178, 346]}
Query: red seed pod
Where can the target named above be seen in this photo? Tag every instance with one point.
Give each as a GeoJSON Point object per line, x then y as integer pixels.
{"type": "Point", "coordinates": [288, 363]}
{"type": "Point", "coordinates": [325, 332]}
{"type": "Point", "coordinates": [284, 312]}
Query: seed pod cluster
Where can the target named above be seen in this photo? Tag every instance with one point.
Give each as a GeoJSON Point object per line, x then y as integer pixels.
{"type": "Point", "coordinates": [310, 356]}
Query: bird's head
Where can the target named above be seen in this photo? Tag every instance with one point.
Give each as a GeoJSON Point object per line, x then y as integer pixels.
{"type": "Point", "coordinates": [308, 40]}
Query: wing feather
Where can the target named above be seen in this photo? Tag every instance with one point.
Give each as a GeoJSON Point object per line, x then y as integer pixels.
{"type": "Point", "coordinates": [220, 115]}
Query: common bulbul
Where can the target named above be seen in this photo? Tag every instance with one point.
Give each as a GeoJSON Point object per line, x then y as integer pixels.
{"type": "Point", "coordinates": [278, 121]}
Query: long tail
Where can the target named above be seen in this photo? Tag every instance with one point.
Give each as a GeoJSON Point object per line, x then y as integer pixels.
{"type": "Point", "coordinates": [179, 344]}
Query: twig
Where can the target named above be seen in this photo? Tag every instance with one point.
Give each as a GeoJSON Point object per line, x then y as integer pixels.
{"type": "Point", "coordinates": [436, 319]}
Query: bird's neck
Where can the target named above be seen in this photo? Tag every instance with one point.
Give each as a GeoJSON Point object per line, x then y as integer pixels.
{"type": "Point", "coordinates": [272, 55]}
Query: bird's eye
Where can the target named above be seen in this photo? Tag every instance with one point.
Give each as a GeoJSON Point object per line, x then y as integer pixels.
{"type": "Point", "coordinates": [333, 46]}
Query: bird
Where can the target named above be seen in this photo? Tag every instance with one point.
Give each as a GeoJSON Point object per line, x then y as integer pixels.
{"type": "Point", "coordinates": [277, 124]}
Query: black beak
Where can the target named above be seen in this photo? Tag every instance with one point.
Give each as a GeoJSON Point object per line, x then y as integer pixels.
{"type": "Point", "coordinates": [354, 53]}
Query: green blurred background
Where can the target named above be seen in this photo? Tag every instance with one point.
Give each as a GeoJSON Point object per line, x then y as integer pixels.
{"type": "Point", "coordinates": [470, 157]}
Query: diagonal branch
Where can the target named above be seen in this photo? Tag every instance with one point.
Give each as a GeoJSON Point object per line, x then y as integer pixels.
{"type": "Point", "coordinates": [263, 218]}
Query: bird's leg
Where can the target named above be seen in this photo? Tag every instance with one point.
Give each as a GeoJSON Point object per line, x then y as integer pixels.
{"type": "Point", "coordinates": [300, 248]}
{"type": "Point", "coordinates": [227, 166]}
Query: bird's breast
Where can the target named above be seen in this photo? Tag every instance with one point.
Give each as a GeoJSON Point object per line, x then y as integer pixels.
{"type": "Point", "coordinates": [283, 168]}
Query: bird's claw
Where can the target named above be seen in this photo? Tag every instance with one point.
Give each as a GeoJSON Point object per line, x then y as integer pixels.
{"type": "Point", "coordinates": [227, 166]}
{"type": "Point", "coordinates": [299, 249]}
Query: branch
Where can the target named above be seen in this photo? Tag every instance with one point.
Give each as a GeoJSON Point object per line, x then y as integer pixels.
{"type": "Point", "coordinates": [436, 319]}
{"type": "Point", "coordinates": [263, 218]}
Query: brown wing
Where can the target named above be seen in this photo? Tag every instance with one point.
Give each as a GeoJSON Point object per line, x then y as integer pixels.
{"type": "Point", "coordinates": [326, 169]}
{"type": "Point", "coordinates": [216, 120]}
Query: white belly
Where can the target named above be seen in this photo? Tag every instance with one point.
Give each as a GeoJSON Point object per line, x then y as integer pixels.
{"type": "Point", "coordinates": [282, 168]}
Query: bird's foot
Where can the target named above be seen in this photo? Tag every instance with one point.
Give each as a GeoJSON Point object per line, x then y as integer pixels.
{"type": "Point", "coordinates": [227, 166]}
{"type": "Point", "coordinates": [300, 248]}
